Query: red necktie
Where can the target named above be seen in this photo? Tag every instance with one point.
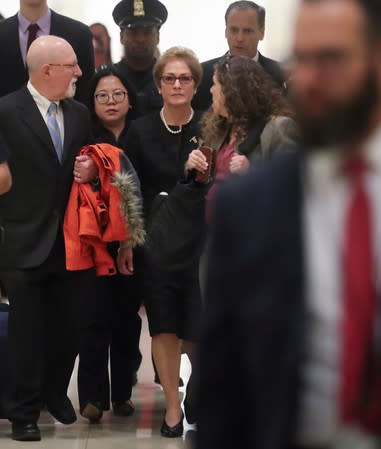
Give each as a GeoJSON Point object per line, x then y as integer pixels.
{"type": "Point", "coordinates": [33, 29]}
{"type": "Point", "coordinates": [359, 301]}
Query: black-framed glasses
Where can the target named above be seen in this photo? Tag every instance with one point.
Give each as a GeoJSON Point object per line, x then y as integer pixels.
{"type": "Point", "coordinates": [104, 97]}
{"type": "Point", "coordinates": [71, 66]}
{"type": "Point", "coordinates": [171, 79]}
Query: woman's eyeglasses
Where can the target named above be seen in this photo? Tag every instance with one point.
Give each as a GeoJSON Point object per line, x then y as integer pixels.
{"type": "Point", "coordinates": [104, 97]}
{"type": "Point", "coordinates": [171, 79]}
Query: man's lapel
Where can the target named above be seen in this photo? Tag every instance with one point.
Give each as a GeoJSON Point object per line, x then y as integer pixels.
{"type": "Point", "coordinates": [69, 126]}
{"type": "Point", "coordinates": [31, 116]}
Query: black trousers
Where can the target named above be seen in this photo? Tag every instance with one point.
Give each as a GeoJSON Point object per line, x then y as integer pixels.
{"type": "Point", "coordinates": [44, 331]}
{"type": "Point", "coordinates": [113, 330]}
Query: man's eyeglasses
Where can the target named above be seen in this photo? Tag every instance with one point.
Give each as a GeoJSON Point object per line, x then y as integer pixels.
{"type": "Point", "coordinates": [118, 96]}
{"type": "Point", "coordinates": [71, 66]}
{"type": "Point", "coordinates": [171, 79]}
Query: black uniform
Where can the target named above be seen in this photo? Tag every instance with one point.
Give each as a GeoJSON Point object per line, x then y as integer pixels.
{"type": "Point", "coordinates": [148, 97]}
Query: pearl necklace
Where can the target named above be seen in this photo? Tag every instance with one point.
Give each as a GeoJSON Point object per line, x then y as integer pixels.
{"type": "Point", "coordinates": [178, 131]}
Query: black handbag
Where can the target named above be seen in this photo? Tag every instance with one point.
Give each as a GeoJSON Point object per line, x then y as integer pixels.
{"type": "Point", "coordinates": [176, 226]}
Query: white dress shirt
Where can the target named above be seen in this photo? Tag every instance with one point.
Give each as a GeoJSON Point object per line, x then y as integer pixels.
{"type": "Point", "coordinates": [327, 195]}
{"type": "Point", "coordinates": [43, 105]}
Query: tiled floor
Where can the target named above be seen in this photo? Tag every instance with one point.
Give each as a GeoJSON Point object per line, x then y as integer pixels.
{"type": "Point", "coordinates": [141, 431]}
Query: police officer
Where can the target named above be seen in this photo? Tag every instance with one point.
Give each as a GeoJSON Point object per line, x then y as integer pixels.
{"type": "Point", "coordinates": [140, 22]}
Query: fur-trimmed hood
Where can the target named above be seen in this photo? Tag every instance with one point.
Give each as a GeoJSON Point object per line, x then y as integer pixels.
{"type": "Point", "coordinates": [131, 207]}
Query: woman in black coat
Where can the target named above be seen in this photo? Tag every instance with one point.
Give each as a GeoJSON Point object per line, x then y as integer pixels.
{"type": "Point", "coordinates": [159, 145]}
{"type": "Point", "coordinates": [114, 324]}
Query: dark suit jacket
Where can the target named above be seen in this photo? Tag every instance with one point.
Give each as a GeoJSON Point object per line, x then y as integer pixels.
{"type": "Point", "coordinates": [14, 74]}
{"type": "Point", "coordinates": [251, 346]}
{"type": "Point", "coordinates": [203, 98]}
{"type": "Point", "coordinates": [33, 209]}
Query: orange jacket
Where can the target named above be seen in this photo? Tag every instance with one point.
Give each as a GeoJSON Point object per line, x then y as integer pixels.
{"type": "Point", "coordinates": [93, 217]}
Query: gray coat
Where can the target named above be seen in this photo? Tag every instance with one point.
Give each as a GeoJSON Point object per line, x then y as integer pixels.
{"type": "Point", "coordinates": [266, 138]}
{"type": "Point", "coordinates": [279, 133]}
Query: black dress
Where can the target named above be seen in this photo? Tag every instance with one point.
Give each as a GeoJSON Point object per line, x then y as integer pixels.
{"type": "Point", "coordinates": [114, 325]}
{"type": "Point", "coordinates": [172, 298]}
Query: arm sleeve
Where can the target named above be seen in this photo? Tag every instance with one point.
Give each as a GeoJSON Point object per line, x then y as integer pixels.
{"type": "Point", "coordinates": [128, 168]}
{"type": "Point", "coordinates": [279, 133]}
{"type": "Point", "coordinates": [4, 151]}
{"type": "Point", "coordinates": [133, 147]}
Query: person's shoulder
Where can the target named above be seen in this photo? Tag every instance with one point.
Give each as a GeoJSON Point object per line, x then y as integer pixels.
{"type": "Point", "coordinates": [210, 63]}
{"type": "Point", "coordinates": [264, 180]}
{"type": "Point", "coordinates": [197, 116]}
{"type": "Point", "coordinates": [118, 65]}
{"type": "Point", "coordinates": [71, 103]}
{"type": "Point", "coordinates": [272, 67]}
{"type": "Point", "coordinates": [72, 24]}
{"type": "Point", "coordinates": [146, 120]}
{"type": "Point", "coordinates": [264, 60]}
{"type": "Point", "coordinates": [283, 125]}
{"type": "Point", "coordinates": [7, 24]}
{"type": "Point", "coordinates": [15, 97]}
{"type": "Point", "coordinates": [282, 122]}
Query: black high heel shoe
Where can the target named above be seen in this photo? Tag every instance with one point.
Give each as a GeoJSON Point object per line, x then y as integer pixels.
{"type": "Point", "coordinates": [172, 432]}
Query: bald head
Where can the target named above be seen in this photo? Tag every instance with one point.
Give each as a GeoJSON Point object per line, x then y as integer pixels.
{"type": "Point", "coordinates": [53, 67]}
{"type": "Point", "coordinates": [46, 50]}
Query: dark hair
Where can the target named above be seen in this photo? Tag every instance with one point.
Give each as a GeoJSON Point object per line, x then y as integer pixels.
{"type": "Point", "coordinates": [107, 49]}
{"type": "Point", "coordinates": [250, 94]}
{"type": "Point", "coordinates": [372, 10]}
{"type": "Point", "coordinates": [110, 70]}
{"type": "Point", "coordinates": [186, 55]}
{"type": "Point", "coordinates": [244, 4]}
{"type": "Point", "coordinates": [1, 17]}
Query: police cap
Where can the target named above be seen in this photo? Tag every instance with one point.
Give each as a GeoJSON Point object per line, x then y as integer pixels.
{"type": "Point", "coordinates": [139, 13]}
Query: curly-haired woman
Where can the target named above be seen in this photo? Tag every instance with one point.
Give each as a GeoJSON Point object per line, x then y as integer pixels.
{"type": "Point", "coordinates": [249, 119]}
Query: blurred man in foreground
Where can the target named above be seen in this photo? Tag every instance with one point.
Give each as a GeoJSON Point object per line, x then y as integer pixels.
{"type": "Point", "coordinates": [294, 264]}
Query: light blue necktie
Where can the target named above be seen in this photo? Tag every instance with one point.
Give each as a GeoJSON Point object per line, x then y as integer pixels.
{"type": "Point", "coordinates": [54, 129]}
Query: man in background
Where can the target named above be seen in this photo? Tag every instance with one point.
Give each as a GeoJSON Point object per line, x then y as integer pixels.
{"type": "Point", "coordinates": [245, 27]}
{"type": "Point", "coordinates": [290, 356]}
{"type": "Point", "coordinates": [36, 19]}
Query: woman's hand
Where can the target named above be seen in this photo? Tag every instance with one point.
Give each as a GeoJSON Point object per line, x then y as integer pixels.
{"type": "Point", "coordinates": [196, 161]}
{"type": "Point", "coordinates": [125, 260]}
{"type": "Point", "coordinates": [239, 164]}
